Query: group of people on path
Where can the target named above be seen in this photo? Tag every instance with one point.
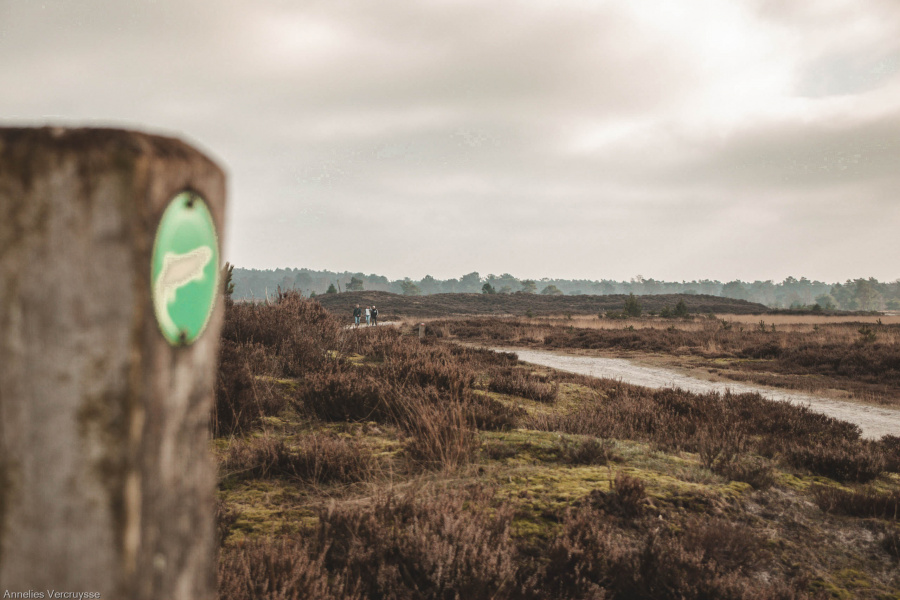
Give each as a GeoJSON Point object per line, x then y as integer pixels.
{"type": "Point", "coordinates": [371, 315]}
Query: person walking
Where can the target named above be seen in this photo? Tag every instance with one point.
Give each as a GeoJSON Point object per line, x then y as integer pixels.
{"type": "Point", "coordinates": [374, 315]}
{"type": "Point", "coordinates": [357, 313]}
{"type": "Point", "coordinates": [368, 314]}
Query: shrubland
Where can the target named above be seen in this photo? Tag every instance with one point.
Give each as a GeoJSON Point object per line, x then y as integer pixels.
{"type": "Point", "coordinates": [860, 358]}
{"type": "Point", "coordinates": [363, 463]}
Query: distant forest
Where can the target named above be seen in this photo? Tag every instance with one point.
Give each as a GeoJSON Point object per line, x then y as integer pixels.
{"type": "Point", "coordinates": [856, 294]}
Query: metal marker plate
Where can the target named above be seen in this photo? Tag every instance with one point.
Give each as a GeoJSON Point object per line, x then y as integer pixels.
{"type": "Point", "coordinates": [184, 269]}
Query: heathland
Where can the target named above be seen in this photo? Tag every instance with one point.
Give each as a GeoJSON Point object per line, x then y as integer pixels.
{"type": "Point", "coordinates": [365, 463]}
{"type": "Point", "coordinates": [848, 356]}
{"type": "Point", "coordinates": [397, 306]}
{"type": "Point", "coordinates": [854, 357]}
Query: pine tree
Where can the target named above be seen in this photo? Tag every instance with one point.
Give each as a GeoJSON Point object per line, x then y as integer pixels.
{"type": "Point", "coordinates": [632, 306]}
{"type": "Point", "coordinates": [227, 282]}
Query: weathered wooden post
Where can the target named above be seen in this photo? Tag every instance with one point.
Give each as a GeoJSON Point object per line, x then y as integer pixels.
{"type": "Point", "coordinates": [108, 343]}
{"type": "Point", "coordinates": [421, 332]}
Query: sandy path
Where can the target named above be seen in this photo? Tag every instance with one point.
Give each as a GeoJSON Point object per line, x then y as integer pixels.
{"type": "Point", "coordinates": [873, 420]}
{"type": "Point", "coordinates": [363, 325]}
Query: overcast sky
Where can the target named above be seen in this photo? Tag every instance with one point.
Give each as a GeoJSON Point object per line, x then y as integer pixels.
{"type": "Point", "coordinates": [562, 138]}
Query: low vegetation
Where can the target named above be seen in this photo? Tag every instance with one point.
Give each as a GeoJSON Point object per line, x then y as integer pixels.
{"type": "Point", "coordinates": [367, 464]}
{"type": "Point", "coordinates": [862, 360]}
{"type": "Point", "coordinates": [396, 306]}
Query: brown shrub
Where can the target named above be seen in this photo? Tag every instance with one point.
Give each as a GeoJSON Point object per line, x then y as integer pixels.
{"type": "Point", "coordinates": [670, 566]}
{"type": "Point", "coordinates": [500, 451]}
{"type": "Point", "coordinates": [626, 499]}
{"type": "Point", "coordinates": [226, 517]}
{"type": "Point", "coordinates": [517, 382]}
{"type": "Point", "coordinates": [731, 546]}
{"type": "Point", "coordinates": [291, 337]}
{"type": "Point", "coordinates": [720, 443]}
{"type": "Point", "coordinates": [834, 354]}
{"type": "Point", "coordinates": [721, 428]}
{"type": "Point", "coordinates": [587, 559]}
{"type": "Point", "coordinates": [890, 446]}
{"type": "Point", "coordinates": [860, 503]}
{"type": "Point", "coordinates": [405, 360]}
{"type": "Point", "coordinates": [443, 546]}
{"type": "Point", "coordinates": [299, 335]}
{"type": "Point", "coordinates": [283, 569]}
{"type": "Point", "coordinates": [755, 471]}
{"type": "Point", "coordinates": [841, 461]}
{"type": "Point", "coordinates": [442, 434]}
{"type": "Point", "coordinates": [241, 398]}
{"type": "Point", "coordinates": [586, 452]}
{"type": "Point", "coordinates": [349, 394]}
{"type": "Point", "coordinates": [317, 459]}
{"type": "Point", "coordinates": [704, 558]}
{"type": "Point", "coordinates": [426, 390]}
{"type": "Point", "coordinates": [890, 541]}
{"type": "Point", "coordinates": [483, 357]}
{"type": "Point", "coordinates": [492, 415]}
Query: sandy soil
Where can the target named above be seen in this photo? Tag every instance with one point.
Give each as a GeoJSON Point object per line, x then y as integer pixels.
{"type": "Point", "coordinates": [874, 421]}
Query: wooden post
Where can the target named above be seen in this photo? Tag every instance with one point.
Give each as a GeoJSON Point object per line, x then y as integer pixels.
{"type": "Point", "coordinates": [421, 332]}
{"type": "Point", "coordinates": [106, 484]}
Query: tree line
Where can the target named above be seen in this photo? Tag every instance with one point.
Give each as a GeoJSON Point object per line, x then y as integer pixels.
{"type": "Point", "coordinates": [853, 294]}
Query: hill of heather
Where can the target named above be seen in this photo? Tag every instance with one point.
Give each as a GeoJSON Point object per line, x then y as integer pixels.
{"type": "Point", "coordinates": [392, 306]}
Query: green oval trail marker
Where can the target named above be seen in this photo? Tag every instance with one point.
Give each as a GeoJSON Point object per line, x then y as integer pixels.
{"type": "Point", "coordinates": [184, 269]}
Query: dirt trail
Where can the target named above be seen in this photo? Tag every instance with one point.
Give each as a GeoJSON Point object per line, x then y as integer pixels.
{"type": "Point", "coordinates": [873, 420]}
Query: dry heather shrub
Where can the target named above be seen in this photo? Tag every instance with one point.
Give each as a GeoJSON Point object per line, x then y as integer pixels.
{"type": "Point", "coordinates": [890, 541]}
{"type": "Point", "coordinates": [284, 569]}
{"type": "Point", "coordinates": [627, 498]}
{"type": "Point", "coordinates": [297, 332]}
{"type": "Point", "coordinates": [685, 565]}
{"type": "Point", "coordinates": [241, 398]}
{"type": "Point", "coordinates": [517, 382]}
{"type": "Point", "coordinates": [439, 426]}
{"type": "Point", "coordinates": [890, 446]}
{"type": "Point", "coordinates": [722, 428]}
{"type": "Point", "coordinates": [501, 451]}
{"type": "Point", "coordinates": [226, 517]}
{"type": "Point", "coordinates": [873, 363]}
{"type": "Point", "coordinates": [752, 470]}
{"type": "Point", "coordinates": [719, 444]}
{"type": "Point", "coordinates": [787, 422]}
{"type": "Point", "coordinates": [296, 336]}
{"type": "Point", "coordinates": [291, 337]}
{"type": "Point", "coordinates": [588, 559]}
{"type": "Point", "coordinates": [443, 546]}
{"type": "Point", "coordinates": [427, 391]}
{"type": "Point", "coordinates": [704, 558]}
{"type": "Point", "coordinates": [586, 452]}
{"type": "Point", "coordinates": [441, 434]}
{"type": "Point", "coordinates": [840, 461]}
{"type": "Point", "coordinates": [403, 358]}
{"type": "Point", "coordinates": [352, 394]}
{"type": "Point", "coordinates": [492, 415]}
{"type": "Point", "coordinates": [409, 362]}
{"type": "Point", "coordinates": [482, 357]}
{"type": "Point", "coordinates": [317, 459]}
{"type": "Point", "coordinates": [731, 546]}
{"type": "Point", "coordinates": [860, 503]}
{"type": "Point", "coordinates": [833, 353]}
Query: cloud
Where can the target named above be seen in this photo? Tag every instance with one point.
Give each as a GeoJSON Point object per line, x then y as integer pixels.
{"type": "Point", "coordinates": [534, 137]}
